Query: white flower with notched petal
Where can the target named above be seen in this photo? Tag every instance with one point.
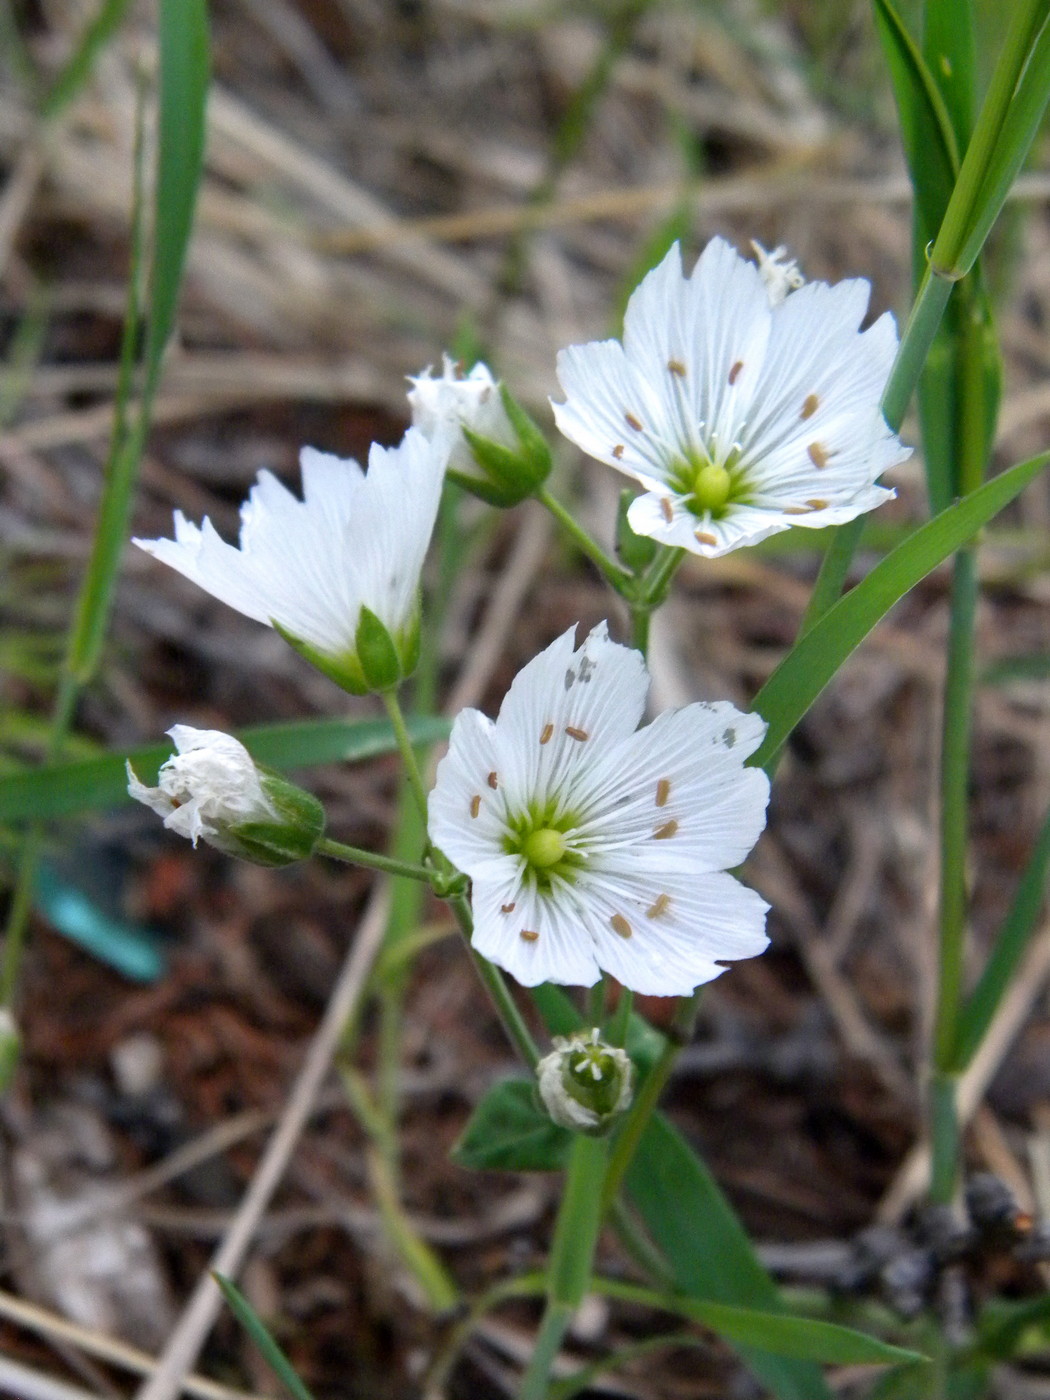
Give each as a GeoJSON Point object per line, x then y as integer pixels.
{"type": "Point", "coordinates": [337, 573]}
{"type": "Point", "coordinates": [740, 417]}
{"type": "Point", "coordinates": [211, 789]}
{"type": "Point", "coordinates": [594, 845]}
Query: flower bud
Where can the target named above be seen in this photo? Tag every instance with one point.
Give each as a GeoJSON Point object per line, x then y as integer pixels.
{"type": "Point", "coordinates": [212, 789]}
{"type": "Point", "coordinates": [780, 273]}
{"type": "Point", "coordinates": [499, 454]}
{"type": "Point", "coordinates": [585, 1084]}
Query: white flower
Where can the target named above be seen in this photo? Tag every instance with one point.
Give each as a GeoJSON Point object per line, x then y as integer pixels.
{"type": "Point", "coordinates": [592, 846]}
{"type": "Point", "coordinates": [740, 418]}
{"type": "Point", "coordinates": [452, 401]}
{"type": "Point", "coordinates": [211, 789]}
{"type": "Point", "coordinates": [210, 784]}
{"type": "Point", "coordinates": [585, 1084]}
{"type": "Point", "coordinates": [350, 551]}
{"type": "Point", "coordinates": [779, 272]}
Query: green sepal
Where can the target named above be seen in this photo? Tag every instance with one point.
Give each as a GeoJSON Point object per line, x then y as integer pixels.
{"type": "Point", "coordinates": [510, 474]}
{"type": "Point", "coordinates": [344, 669]}
{"type": "Point", "coordinates": [377, 653]}
{"type": "Point", "coordinates": [635, 552]}
{"type": "Point", "coordinates": [292, 836]}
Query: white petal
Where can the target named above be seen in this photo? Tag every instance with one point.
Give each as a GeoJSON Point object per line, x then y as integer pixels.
{"type": "Point", "coordinates": [682, 776]}
{"type": "Point", "coordinates": [466, 810]}
{"type": "Point", "coordinates": [679, 926]}
{"type": "Point", "coordinates": [564, 708]}
{"type": "Point", "coordinates": [606, 399]}
{"type": "Point", "coordinates": [560, 952]}
{"type": "Point", "coordinates": [741, 525]}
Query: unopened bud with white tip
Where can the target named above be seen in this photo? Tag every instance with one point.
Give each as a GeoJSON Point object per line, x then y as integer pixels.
{"type": "Point", "coordinates": [212, 789]}
{"type": "Point", "coordinates": [585, 1084]}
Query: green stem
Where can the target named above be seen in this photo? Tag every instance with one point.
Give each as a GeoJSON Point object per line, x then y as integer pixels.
{"type": "Point", "coordinates": [513, 1021]}
{"type": "Point", "coordinates": [408, 753]}
{"type": "Point", "coordinates": [617, 578]}
{"type": "Point", "coordinates": [954, 824]}
{"type": "Point", "coordinates": [572, 1258]}
{"type": "Point", "coordinates": [944, 1136]}
{"type": "Point", "coordinates": [354, 855]}
{"type": "Point", "coordinates": [596, 1002]}
{"type": "Point", "coordinates": [658, 580]}
{"type": "Point", "coordinates": [621, 1018]}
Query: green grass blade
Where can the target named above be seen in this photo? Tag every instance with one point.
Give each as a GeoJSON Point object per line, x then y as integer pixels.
{"type": "Point", "coordinates": [66, 789]}
{"type": "Point", "coordinates": [926, 126]}
{"type": "Point", "coordinates": [78, 68]}
{"type": "Point", "coordinates": [1018, 131]}
{"type": "Point", "coordinates": [256, 1329]}
{"type": "Point", "coordinates": [802, 1338]}
{"type": "Point", "coordinates": [1010, 947]}
{"type": "Point", "coordinates": [949, 47]}
{"type": "Point", "coordinates": [710, 1255]}
{"type": "Point", "coordinates": [815, 658]}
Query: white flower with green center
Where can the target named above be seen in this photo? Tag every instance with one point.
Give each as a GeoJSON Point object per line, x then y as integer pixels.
{"type": "Point", "coordinates": [337, 573]}
{"type": "Point", "coordinates": [741, 408]}
{"type": "Point", "coordinates": [594, 845]}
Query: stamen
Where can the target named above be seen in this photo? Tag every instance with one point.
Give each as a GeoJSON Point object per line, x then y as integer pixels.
{"type": "Point", "coordinates": [676, 367]}
{"type": "Point", "coordinates": [633, 422]}
{"type": "Point", "coordinates": [817, 455]}
{"type": "Point", "coordinates": [817, 505]}
{"type": "Point", "coordinates": [621, 926]}
{"type": "Point", "coordinates": [734, 373]}
{"type": "Point", "coordinates": [660, 905]}
{"type": "Point", "coordinates": [548, 730]}
{"type": "Point", "coordinates": [810, 406]}
{"type": "Point", "coordinates": [580, 735]}
{"type": "Point", "coordinates": [618, 451]}
{"type": "Point", "coordinates": [705, 537]}
{"type": "Point", "coordinates": [475, 804]}
{"type": "Point", "coordinates": [508, 908]}
{"type": "Point", "coordinates": [665, 832]}
{"type": "Point", "coordinates": [663, 792]}
{"type": "Point", "coordinates": [493, 780]}
{"type": "Point", "coordinates": [667, 509]}
{"type": "Point", "coordinates": [530, 935]}
{"type": "Point", "coordinates": [796, 510]}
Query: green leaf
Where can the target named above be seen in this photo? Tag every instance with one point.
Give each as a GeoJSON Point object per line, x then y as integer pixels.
{"type": "Point", "coordinates": [926, 127]}
{"type": "Point", "coordinates": [910, 1382]}
{"type": "Point", "coordinates": [64, 789]}
{"type": "Point", "coordinates": [949, 46]}
{"type": "Point", "coordinates": [1003, 1324]}
{"type": "Point", "coordinates": [710, 1255]}
{"type": "Point", "coordinates": [817, 656]}
{"type": "Point", "coordinates": [256, 1329]}
{"type": "Point", "coordinates": [801, 1338]}
{"type": "Point", "coordinates": [79, 65]}
{"type": "Point", "coordinates": [510, 1132]}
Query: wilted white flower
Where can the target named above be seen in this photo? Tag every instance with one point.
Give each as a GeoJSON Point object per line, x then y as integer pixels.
{"type": "Point", "coordinates": [594, 845]}
{"type": "Point", "coordinates": [779, 272]}
{"type": "Point", "coordinates": [451, 401]}
{"type": "Point", "coordinates": [585, 1084]}
{"type": "Point", "coordinates": [211, 789]}
{"type": "Point", "coordinates": [336, 573]}
{"type": "Point", "coordinates": [497, 452]}
{"type": "Point", "coordinates": [740, 418]}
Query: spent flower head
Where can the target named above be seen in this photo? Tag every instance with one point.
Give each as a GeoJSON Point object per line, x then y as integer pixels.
{"type": "Point", "coordinates": [337, 573]}
{"type": "Point", "coordinates": [740, 409]}
{"type": "Point", "coordinates": [585, 1084]}
{"type": "Point", "coordinates": [497, 452]}
{"type": "Point", "coordinates": [594, 845]}
{"type": "Point", "coordinates": [211, 789]}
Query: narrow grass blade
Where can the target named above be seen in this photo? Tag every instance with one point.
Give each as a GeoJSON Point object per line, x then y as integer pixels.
{"type": "Point", "coordinates": [802, 1338]}
{"type": "Point", "coordinates": [74, 75]}
{"type": "Point", "coordinates": [949, 47]}
{"type": "Point", "coordinates": [1010, 947]}
{"type": "Point", "coordinates": [66, 789]}
{"type": "Point", "coordinates": [256, 1329]}
{"type": "Point", "coordinates": [807, 668]}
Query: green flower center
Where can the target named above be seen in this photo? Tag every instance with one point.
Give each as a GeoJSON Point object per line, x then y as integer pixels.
{"type": "Point", "coordinates": [709, 486]}
{"type": "Point", "coordinates": [594, 1079]}
{"type": "Point", "coordinates": [544, 847]}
